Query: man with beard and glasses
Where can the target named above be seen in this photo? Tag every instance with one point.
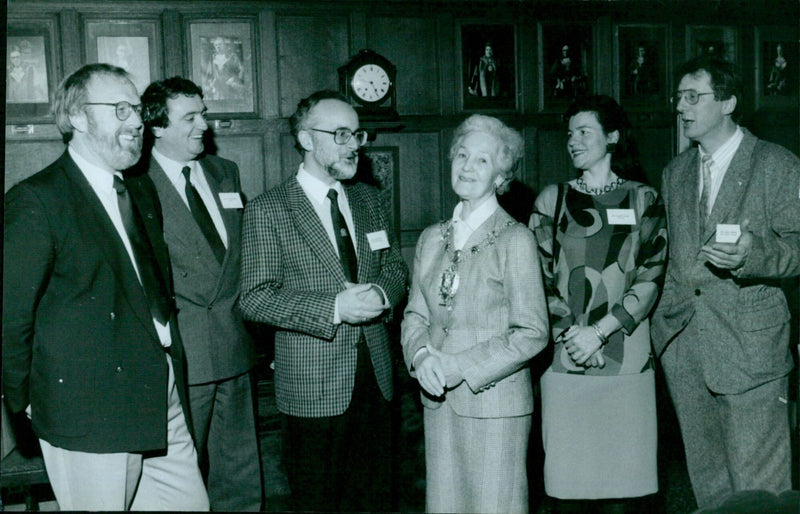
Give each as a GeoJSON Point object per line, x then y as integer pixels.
{"type": "Point", "coordinates": [90, 345]}
{"type": "Point", "coordinates": [202, 203]}
{"type": "Point", "coordinates": [320, 263]}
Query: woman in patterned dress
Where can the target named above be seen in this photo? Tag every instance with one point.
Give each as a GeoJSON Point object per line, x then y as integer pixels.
{"type": "Point", "coordinates": [603, 262]}
{"type": "Point", "coordinates": [476, 314]}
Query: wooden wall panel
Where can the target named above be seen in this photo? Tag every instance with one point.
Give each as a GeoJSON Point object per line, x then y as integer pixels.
{"type": "Point", "coordinates": [24, 158]}
{"type": "Point", "coordinates": [410, 44]}
{"type": "Point", "coordinates": [310, 51]}
{"type": "Point", "coordinates": [248, 153]}
{"type": "Point", "coordinates": [554, 163]}
{"type": "Point", "coordinates": [654, 151]}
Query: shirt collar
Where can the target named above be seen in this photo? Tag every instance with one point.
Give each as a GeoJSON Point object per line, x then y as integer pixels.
{"type": "Point", "coordinates": [316, 189]}
{"type": "Point", "coordinates": [479, 215]}
{"type": "Point", "coordinates": [172, 168]}
{"type": "Point", "coordinates": [722, 157]}
{"type": "Point", "coordinates": [99, 178]}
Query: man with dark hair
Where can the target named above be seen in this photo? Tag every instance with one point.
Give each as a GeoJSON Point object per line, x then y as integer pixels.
{"type": "Point", "coordinates": [90, 344]}
{"type": "Point", "coordinates": [202, 203]}
{"type": "Point", "coordinates": [320, 264]}
{"type": "Point", "coordinates": [722, 325]}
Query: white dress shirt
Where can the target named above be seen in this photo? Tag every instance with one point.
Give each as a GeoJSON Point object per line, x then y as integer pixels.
{"type": "Point", "coordinates": [464, 227]}
{"type": "Point", "coordinates": [317, 192]}
{"type": "Point", "coordinates": [174, 171]}
{"type": "Point", "coordinates": [720, 160]}
{"type": "Point", "coordinates": [102, 182]}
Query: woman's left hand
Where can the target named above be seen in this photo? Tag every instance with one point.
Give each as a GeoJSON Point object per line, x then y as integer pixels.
{"type": "Point", "coordinates": [581, 343]}
{"type": "Point", "coordinates": [451, 372]}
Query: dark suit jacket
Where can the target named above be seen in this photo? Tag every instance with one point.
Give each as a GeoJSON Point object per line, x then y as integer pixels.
{"type": "Point", "coordinates": [79, 344]}
{"type": "Point", "coordinates": [216, 342]}
{"type": "Point", "coordinates": [291, 275]}
{"type": "Point", "coordinates": [740, 320]}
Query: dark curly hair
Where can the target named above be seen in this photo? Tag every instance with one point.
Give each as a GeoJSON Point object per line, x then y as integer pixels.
{"type": "Point", "coordinates": [154, 100]}
{"type": "Point", "coordinates": [625, 155]}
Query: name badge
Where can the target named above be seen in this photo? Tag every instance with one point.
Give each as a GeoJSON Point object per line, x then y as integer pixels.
{"type": "Point", "coordinates": [621, 217]}
{"type": "Point", "coordinates": [378, 240]}
{"type": "Point", "coordinates": [728, 233]}
{"type": "Point", "coordinates": [231, 200]}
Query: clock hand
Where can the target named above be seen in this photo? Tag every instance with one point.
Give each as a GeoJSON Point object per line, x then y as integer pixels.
{"type": "Point", "coordinates": [373, 87]}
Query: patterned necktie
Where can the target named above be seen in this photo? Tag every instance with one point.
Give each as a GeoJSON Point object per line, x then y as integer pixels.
{"type": "Point", "coordinates": [705, 195]}
{"type": "Point", "coordinates": [347, 252]}
{"type": "Point", "coordinates": [203, 218]}
{"type": "Point", "coordinates": [154, 289]}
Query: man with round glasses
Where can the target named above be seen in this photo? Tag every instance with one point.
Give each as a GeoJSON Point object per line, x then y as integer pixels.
{"type": "Point", "coordinates": [320, 263]}
{"type": "Point", "coordinates": [90, 343]}
{"type": "Point", "coordinates": [722, 327]}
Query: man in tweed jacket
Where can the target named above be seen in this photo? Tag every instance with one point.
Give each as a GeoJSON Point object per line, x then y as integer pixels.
{"type": "Point", "coordinates": [722, 325]}
{"type": "Point", "coordinates": [333, 365]}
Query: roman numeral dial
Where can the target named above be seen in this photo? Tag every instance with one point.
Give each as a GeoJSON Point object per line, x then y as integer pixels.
{"type": "Point", "coordinates": [371, 83]}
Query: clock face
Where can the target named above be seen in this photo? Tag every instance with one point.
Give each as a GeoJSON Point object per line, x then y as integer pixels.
{"type": "Point", "coordinates": [371, 83]}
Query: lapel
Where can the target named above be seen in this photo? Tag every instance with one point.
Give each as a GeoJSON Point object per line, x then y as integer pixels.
{"type": "Point", "coordinates": [686, 191]}
{"type": "Point", "coordinates": [308, 224]}
{"type": "Point", "coordinates": [359, 208]}
{"type": "Point", "coordinates": [735, 183]}
{"type": "Point", "coordinates": [94, 224]}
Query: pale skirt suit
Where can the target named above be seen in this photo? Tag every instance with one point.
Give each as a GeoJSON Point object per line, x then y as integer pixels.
{"type": "Point", "coordinates": [476, 434]}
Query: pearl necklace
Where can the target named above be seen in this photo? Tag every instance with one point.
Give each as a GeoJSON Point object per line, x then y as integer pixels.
{"type": "Point", "coordinates": [599, 190]}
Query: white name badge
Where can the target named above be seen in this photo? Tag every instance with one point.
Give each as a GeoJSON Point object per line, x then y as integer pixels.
{"type": "Point", "coordinates": [621, 217]}
{"type": "Point", "coordinates": [728, 233]}
{"type": "Point", "coordinates": [231, 200]}
{"type": "Point", "coordinates": [378, 240]}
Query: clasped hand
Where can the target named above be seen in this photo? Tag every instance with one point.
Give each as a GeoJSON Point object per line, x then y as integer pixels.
{"type": "Point", "coordinates": [583, 346]}
{"type": "Point", "coordinates": [359, 303]}
{"type": "Point", "coordinates": [730, 256]}
{"type": "Point", "coordinates": [437, 371]}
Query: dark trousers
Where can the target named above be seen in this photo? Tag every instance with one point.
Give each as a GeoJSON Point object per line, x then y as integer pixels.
{"type": "Point", "coordinates": [343, 463]}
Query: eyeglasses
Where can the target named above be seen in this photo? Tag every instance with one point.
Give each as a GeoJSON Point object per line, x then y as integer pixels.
{"type": "Point", "coordinates": [690, 95]}
{"type": "Point", "coordinates": [341, 136]}
{"type": "Point", "coordinates": [122, 109]}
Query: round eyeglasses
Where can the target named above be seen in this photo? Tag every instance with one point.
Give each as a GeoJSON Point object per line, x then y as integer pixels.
{"type": "Point", "coordinates": [122, 109]}
{"type": "Point", "coordinates": [341, 136]}
{"type": "Point", "coordinates": [690, 95]}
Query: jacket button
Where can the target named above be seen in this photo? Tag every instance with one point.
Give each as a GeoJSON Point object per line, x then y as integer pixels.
{"type": "Point", "coordinates": [697, 292]}
{"type": "Point", "coordinates": [445, 330]}
{"type": "Point", "coordinates": [112, 315]}
{"type": "Point", "coordinates": [118, 369]}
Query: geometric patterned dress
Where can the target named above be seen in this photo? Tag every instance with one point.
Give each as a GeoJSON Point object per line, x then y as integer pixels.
{"type": "Point", "coordinates": [599, 424]}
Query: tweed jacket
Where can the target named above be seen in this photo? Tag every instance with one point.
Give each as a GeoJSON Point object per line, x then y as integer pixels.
{"type": "Point", "coordinates": [79, 344]}
{"type": "Point", "coordinates": [498, 319]}
{"type": "Point", "coordinates": [217, 344]}
{"type": "Point", "coordinates": [739, 319]}
{"type": "Point", "coordinates": [291, 275]}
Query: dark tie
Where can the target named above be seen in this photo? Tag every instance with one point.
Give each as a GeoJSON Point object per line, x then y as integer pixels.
{"type": "Point", "coordinates": [154, 288]}
{"type": "Point", "coordinates": [347, 252]}
{"type": "Point", "coordinates": [203, 219]}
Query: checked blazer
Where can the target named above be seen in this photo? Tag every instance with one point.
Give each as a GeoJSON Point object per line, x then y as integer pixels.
{"type": "Point", "coordinates": [740, 319]}
{"type": "Point", "coordinates": [291, 275]}
{"type": "Point", "coordinates": [79, 342]}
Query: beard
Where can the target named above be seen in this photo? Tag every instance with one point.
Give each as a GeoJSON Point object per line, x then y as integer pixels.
{"type": "Point", "coordinates": [343, 169]}
{"type": "Point", "coordinates": [112, 151]}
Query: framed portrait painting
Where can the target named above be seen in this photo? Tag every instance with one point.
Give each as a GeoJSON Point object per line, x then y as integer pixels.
{"type": "Point", "coordinates": [379, 167]}
{"type": "Point", "coordinates": [566, 61]}
{"type": "Point", "coordinates": [30, 70]}
{"type": "Point", "coordinates": [221, 55]}
{"type": "Point", "coordinates": [713, 41]}
{"type": "Point", "coordinates": [129, 44]}
{"type": "Point", "coordinates": [641, 58]}
{"type": "Point", "coordinates": [487, 67]}
{"type": "Point", "coordinates": [777, 56]}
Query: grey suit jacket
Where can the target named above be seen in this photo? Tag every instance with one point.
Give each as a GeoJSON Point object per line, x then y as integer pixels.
{"type": "Point", "coordinates": [217, 345]}
{"type": "Point", "coordinates": [497, 323]}
{"type": "Point", "coordinates": [740, 320]}
{"type": "Point", "coordinates": [291, 275]}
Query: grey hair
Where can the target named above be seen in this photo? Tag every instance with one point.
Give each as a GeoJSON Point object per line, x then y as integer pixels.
{"type": "Point", "coordinates": [509, 151]}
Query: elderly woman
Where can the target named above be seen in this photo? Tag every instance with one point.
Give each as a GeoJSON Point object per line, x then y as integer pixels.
{"type": "Point", "coordinates": [602, 238]}
{"type": "Point", "coordinates": [476, 314]}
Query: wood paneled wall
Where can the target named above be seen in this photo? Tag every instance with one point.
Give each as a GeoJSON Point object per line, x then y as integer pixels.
{"type": "Point", "coordinates": [298, 47]}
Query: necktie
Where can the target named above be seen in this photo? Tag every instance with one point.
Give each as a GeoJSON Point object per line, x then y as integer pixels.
{"type": "Point", "coordinates": [705, 195]}
{"type": "Point", "coordinates": [347, 252]}
{"type": "Point", "coordinates": [154, 289]}
{"type": "Point", "coordinates": [203, 219]}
